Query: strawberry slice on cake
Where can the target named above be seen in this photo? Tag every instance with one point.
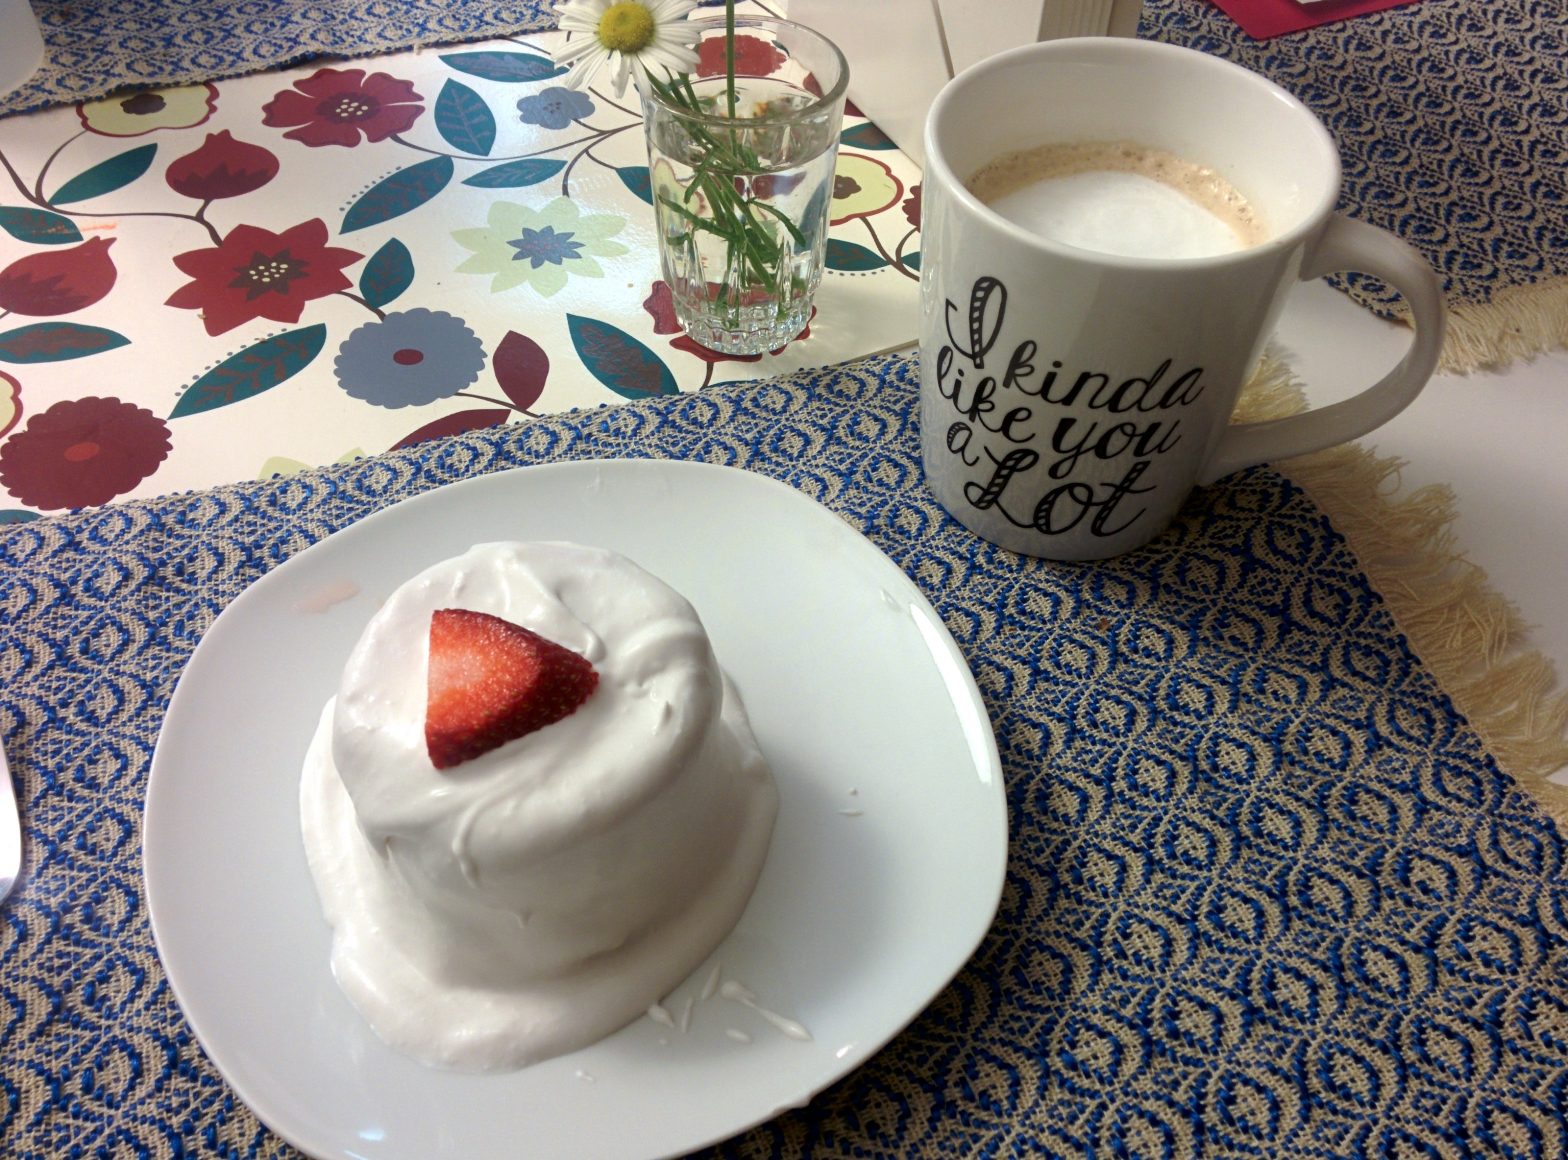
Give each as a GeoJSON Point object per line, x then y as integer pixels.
{"type": "Point", "coordinates": [491, 681]}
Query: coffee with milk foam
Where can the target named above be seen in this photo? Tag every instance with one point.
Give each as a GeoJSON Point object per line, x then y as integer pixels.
{"type": "Point", "coordinates": [1118, 197]}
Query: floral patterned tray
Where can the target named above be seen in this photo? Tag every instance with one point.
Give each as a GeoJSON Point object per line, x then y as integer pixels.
{"type": "Point", "coordinates": [235, 280]}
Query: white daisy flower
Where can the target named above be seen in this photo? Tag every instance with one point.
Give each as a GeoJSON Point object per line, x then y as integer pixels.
{"type": "Point", "coordinates": [649, 33]}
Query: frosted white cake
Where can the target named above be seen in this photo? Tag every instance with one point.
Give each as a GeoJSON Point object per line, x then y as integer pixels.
{"type": "Point", "coordinates": [531, 900]}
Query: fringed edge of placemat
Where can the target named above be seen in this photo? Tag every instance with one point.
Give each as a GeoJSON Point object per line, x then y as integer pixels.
{"type": "Point", "coordinates": [1518, 324]}
{"type": "Point", "coordinates": [1468, 634]}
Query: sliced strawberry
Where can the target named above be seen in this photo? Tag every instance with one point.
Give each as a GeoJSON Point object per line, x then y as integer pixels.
{"type": "Point", "coordinates": [492, 681]}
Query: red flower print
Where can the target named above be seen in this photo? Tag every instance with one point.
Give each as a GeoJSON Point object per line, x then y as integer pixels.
{"type": "Point", "coordinates": [58, 281]}
{"type": "Point", "coordinates": [82, 452]}
{"type": "Point", "coordinates": [660, 305]}
{"type": "Point", "coordinates": [256, 273]}
{"type": "Point", "coordinates": [911, 207]}
{"type": "Point", "coordinates": [334, 106]}
{"type": "Point", "coordinates": [754, 57]}
{"type": "Point", "coordinates": [222, 167]}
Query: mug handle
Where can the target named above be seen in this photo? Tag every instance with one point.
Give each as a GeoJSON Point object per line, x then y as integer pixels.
{"type": "Point", "coordinates": [1347, 244]}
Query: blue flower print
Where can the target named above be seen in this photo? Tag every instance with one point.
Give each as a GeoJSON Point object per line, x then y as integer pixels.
{"type": "Point", "coordinates": [409, 358]}
{"type": "Point", "coordinates": [541, 246]}
{"type": "Point", "coordinates": [555, 107]}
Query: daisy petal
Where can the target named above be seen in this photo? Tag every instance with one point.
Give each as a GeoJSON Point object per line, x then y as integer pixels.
{"type": "Point", "coordinates": [671, 61]}
{"type": "Point", "coordinates": [567, 54]}
{"type": "Point", "coordinates": [582, 73]}
{"type": "Point", "coordinates": [585, 10]}
{"type": "Point", "coordinates": [621, 70]}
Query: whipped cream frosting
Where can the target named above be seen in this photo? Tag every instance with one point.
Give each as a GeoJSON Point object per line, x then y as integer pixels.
{"type": "Point", "coordinates": [536, 898]}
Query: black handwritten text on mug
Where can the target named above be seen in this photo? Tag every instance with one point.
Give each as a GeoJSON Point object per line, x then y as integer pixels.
{"type": "Point", "coordinates": [1105, 419]}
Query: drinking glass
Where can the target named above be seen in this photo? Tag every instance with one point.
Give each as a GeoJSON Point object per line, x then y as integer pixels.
{"type": "Point", "coordinates": [742, 180]}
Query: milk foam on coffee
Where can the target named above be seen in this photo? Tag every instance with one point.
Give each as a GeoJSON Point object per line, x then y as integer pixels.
{"type": "Point", "coordinates": [1118, 197]}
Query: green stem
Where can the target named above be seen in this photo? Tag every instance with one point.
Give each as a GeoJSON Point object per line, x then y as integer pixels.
{"type": "Point", "coordinates": [794, 230]}
{"type": "Point", "coordinates": [729, 53]}
{"type": "Point", "coordinates": [754, 253]}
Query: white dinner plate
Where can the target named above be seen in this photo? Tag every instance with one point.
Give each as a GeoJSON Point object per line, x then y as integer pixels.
{"type": "Point", "coordinates": [885, 870]}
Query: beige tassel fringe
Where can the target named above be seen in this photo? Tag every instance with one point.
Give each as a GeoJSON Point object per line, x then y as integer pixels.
{"type": "Point", "coordinates": [1518, 324]}
{"type": "Point", "coordinates": [1468, 635]}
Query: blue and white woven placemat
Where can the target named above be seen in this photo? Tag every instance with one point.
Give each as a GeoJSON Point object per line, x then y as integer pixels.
{"type": "Point", "coordinates": [1267, 895]}
{"type": "Point", "coordinates": [93, 48]}
{"type": "Point", "coordinates": [1452, 123]}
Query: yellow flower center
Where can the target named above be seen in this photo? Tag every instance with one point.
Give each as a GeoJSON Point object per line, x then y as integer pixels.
{"type": "Point", "coordinates": [626, 27]}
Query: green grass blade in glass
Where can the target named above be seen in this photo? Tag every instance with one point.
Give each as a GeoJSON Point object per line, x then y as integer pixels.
{"type": "Point", "coordinates": [741, 201]}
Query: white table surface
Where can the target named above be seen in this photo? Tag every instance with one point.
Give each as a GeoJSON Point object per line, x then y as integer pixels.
{"type": "Point", "coordinates": [1495, 438]}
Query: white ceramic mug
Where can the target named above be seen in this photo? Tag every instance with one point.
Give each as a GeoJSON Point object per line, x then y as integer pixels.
{"type": "Point", "coordinates": [1071, 399]}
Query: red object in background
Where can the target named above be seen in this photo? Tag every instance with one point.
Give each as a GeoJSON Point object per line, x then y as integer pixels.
{"type": "Point", "coordinates": [256, 273]}
{"type": "Point", "coordinates": [754, 57]}
{"type": "Point", "coordinates": [1262, 19]}
{"type": "Point", "coordinates": [334, 106]}
{"type": "Point", "coordinates": [58, 281]}
{"type": "Point", "coordinates": [83, 452]}
{"type": "Point", "coordinates": [222, 167]}
{"type": "Point", "coordinates": [660, 306]}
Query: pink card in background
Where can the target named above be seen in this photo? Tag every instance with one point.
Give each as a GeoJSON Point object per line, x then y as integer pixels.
{"type": "Point", "coordinates": [1261, 19]}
